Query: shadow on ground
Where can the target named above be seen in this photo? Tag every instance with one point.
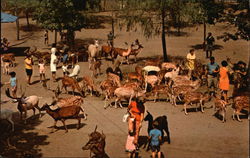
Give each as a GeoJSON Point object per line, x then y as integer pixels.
{"type": "Point", "coordinates": [201, 46]}
{"type": "Point", "coordinates": [26, 143]}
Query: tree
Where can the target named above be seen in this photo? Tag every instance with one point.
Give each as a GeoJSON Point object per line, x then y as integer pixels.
{"type": "Point", "coordinates": [60, 15]}
{"type": "Point", "coordinates": [18, 6]}
{"type": "Point", "coordinates": [150, 15]}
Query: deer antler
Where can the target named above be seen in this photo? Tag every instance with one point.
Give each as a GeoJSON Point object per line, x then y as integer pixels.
{"type": "Point", "coordinates": [95, 128]}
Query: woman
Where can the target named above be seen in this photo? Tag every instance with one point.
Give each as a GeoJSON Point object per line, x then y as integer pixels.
{"type": "Point", "coordinates": [224, 80]}
{"type": "Point", "coordinates": [28, 67]}
{"type": "Point", "coordinates": [137, 109]}
{"type": "Point", "coordinates": [190, 62]}
{"type": "Point", "coordinates": [53, 62]}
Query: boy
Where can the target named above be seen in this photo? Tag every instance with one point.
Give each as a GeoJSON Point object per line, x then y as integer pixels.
{"type": "Point", "coordinates": [155, 138]}
{"type": "Point", "coordinates": [13, 83]}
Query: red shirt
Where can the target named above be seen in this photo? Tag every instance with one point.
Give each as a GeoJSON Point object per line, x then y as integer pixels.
{"type": "Point", "coordinates": [135, 110]}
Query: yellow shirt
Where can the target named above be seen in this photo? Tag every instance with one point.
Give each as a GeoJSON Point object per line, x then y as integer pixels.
{"type": "Point", "coordinates": [28, 61]}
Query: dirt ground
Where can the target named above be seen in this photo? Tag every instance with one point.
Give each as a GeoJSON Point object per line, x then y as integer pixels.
{"type": "Point", "coordinates": [197, 135]}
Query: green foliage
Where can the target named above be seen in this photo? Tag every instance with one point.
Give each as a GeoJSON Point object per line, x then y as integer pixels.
{"type": "Point", "coordinates": [59, 15]}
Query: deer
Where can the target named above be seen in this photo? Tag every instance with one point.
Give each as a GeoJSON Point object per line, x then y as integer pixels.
{"type": "Point", "coordinates": [71, 82]}
{"type": "Point", "coordinates": [124, 52]}
{"type": "Point", "coordinates": [9, 57]}
{"type": "Point", "coordinates": [89, 85]}
{"type": "Point", "coordinates": [96, 144]}
{"type": "Point", "coordinates": [25, 104]}
{"type": "Point", "coordinates": [182, 90]}
{"type": "Point", "coordinates": [94, 66]}
{"type": "Point", "coordinates": [135, 52]}
{"type": "Point", "coordinates": [108, 87]}
{"type": "Point", "coordinates": [69, 112]}
{"type": "Point", "coordinates": [93, 50]}
{"type": "Point", "coordinates": [195, 97]}
{"type": "Point", "coordinates": [161, 89]}
{"type": "Point", "coordinates": [220, 106]}
{"type": "Point", "coordinates": [239, 103]}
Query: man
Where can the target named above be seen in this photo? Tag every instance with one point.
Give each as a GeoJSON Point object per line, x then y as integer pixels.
{"type": "Point", "coordinates": [210, 43]}
{"type": "Point", "coordinates": [111, 39]}
{"type": "Point", "coordinates": [212, 74]}
{"type": "Point", "coordinates": [53, 62]}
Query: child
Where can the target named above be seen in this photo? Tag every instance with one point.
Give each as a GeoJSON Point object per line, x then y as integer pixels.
{"type": "Point", "coordinates": [130, 146]}
{"type": "Point", "coordinates": [41, 66]}
{"type": "Point", "coordinates": [13, 83]}
{"type": "Point", "coordinates": [46, 37]}
{"type": "Point", "coordinates": [65, 69]}
{"type": "Point", "coordinates": [155, 138]}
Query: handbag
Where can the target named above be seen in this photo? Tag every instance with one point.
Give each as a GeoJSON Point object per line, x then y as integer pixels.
{"type": "Point", "coordinates": [125, 117]}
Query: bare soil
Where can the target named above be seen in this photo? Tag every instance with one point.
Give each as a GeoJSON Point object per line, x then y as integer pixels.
{"type": "Point", "coordinates": [198, 134]}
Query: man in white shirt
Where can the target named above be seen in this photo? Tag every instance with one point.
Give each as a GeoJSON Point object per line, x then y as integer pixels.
{"type": "Point", "coordinates": [53, 61]}
{"type": "Point", "coordinates": [75, 72]}
{"type": "Point", "coordinates": [190, 62]}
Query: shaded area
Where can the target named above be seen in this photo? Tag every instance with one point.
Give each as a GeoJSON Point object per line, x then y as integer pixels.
{"type": "Point", "coordinates": [18, 51]}
{"type": "Point", "coordinates": [202, 46]}
{"type": "Point", "coordinates": [176, 33]}
{"type": "Point", "coordinates": [27, 143]}
{"type": "Point", "coordinates": [97, 21]}
{"type": "Point", "coordinates": [31, 27]}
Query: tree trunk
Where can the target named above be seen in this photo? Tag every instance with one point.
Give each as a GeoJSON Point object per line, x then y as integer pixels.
{"type": "Point", "coordinates": [163, 38]}
{"type": "Point", "coordinates": [113, 28]}
{"type": "Point", "coordinates": [27, 19]}
{"type": "Point", "coordinates": [205, 34]}
{"type": "Point", "coordinates": [17, 25]}
{"type": "Point", "coordinates": [55, 36]}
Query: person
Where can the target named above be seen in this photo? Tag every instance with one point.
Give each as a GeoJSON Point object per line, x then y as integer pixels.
{"type": "Point", "coordinates": [64, 51]}
{"type": "Point", "coordinates": [190, 62]}
{"type": "Point", "coordinates": [5, 45]}
{"type": "Point", "coordinates": [130, 146]}
{"type": "Point", "coordinates": [13, 83]}
{"type": "Point", "coordinates": [28, 67]}
{"type": "Point", "coordinates": [65, 69]}
{"type": "Point", "coordinates": [75, 72]}
{"type": "Point", "coordinates": [46, 37]}
{"type": "Point", "coordinates": [53, 62]}
{"type": "Point", "coordinates": [242, 71]}
{"type": "Point", "coordinates": [212, 74]}
{"type": "Point", "coordinates": [111, 39]}
{"type": "Point", "coordinates": [155, 138]}
{"type": "Point", "coordinates": [41, 66]}
{"type": "Point", "coordinates": [224, 80]}
{"type": "Point", "coordinates": [210, 43]}
{"type": "Point", "coordinates": [137, 109]}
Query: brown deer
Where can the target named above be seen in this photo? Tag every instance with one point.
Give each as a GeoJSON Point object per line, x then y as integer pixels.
{"type": "Point", "coordinates": [71, 82]}
{"type": "Point", "coordinates": [96, 144]}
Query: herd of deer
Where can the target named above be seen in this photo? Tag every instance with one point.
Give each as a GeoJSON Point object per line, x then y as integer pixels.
{"type": "Point", "coordinates": [170, 79]}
